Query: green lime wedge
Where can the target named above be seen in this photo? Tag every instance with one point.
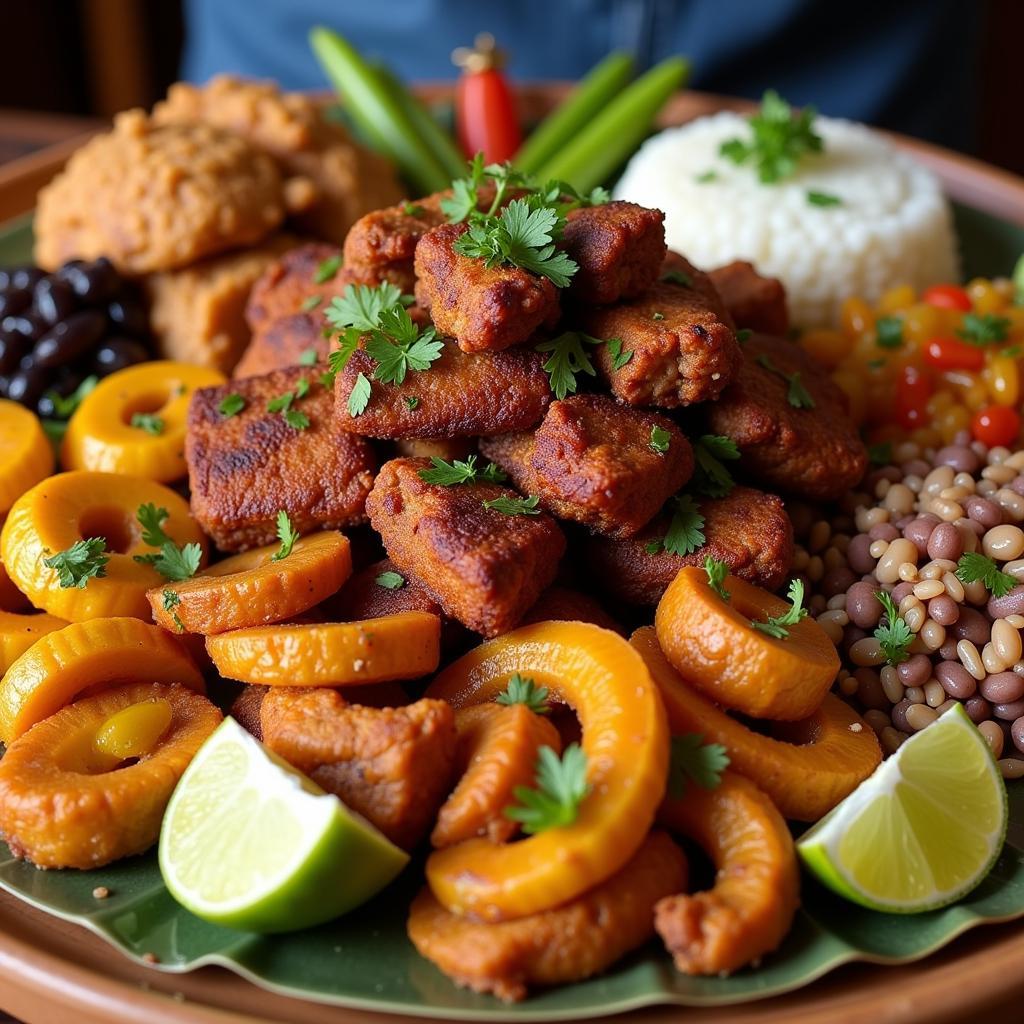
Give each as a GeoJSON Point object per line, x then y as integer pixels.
{"type": "Point", "coordinates": [250, 843]}
{"type": "Point", "coordinates": [922, 831]}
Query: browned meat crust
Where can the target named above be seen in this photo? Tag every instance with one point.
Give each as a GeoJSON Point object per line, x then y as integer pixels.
{"type": "Point", "coordinates": [560, 604]}
{"type": "Point", "coordinates": [682, 339]}
{"type": "Point", "coordinates": [815, 453]}
{"type": "Point", "coordinates": [289, 281]}
{"type": "Point", "coordinates": [244, 468]}
{"type": "Point", "coordinates": [484, 309]}
{"type": "Point", "coordinates": [591, 461]}
{"type": "Point", "coordinates": [392, 765]}
{"type": "Point", "coordinates": [245, 709]}
{"type": "Point", "coordinates": [754, 302]}
{"type": "Point", "coordinates": [572, 942]}
{"type": "Point", "coordinates": [748, 530]}
{"type": "Point", "coordinates": [619, 248]}
{"type": "Point", "coordinates": [462, 395]}
{"type": "Point", "coordinates": [486, 568]}
{"type": "Point", "coordinates": [281, 343]}
{"type": "Point", "coordinates": [435, 447]}
{"type": "Point", "coordinates": [362, 597]}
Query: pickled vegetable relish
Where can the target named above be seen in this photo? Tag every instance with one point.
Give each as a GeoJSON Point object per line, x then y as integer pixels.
{"type": "Point", "coordinates": [924, 367]}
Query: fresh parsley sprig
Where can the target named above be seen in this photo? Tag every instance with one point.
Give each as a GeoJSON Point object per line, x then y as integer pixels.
{"type": "Point", "coordinates": [893, 634]}
{"type": "Point", "coordinates": [148, 422]}
{"type": "Point", "coordinates": [514, 506]}
{"type": "Point", "coordinates": [693, 760]}
{"type": "Point", "coordinates": [390, 580]}
{"type": "Point", "coordinates": [286, 534]}
{"type": "Point", "coordinates": [522, 690]}
{"type": "Point", "coordinates": [172, 562]}
{"type": "Point", "coordinates": [171, 600]}
{"type": "Point", "coordinates": [984, 328]}
{"type": "Point", "coordinates": [660, 440]}
{"type": "Point", "coordinates": [796, 394]}
{"type": "Point", "coordinates": [710, 477]}
{"type": "Point", "coordinates": [231, 405]}
{"type": "Point", "coordinates": [716, 571]}
{"type": "Point", "coordinates": [567, 359]}
{"type": "Point", "coordinates": [973, 566]}
{"type": "Point", "coordinates": [619, 356]}
{"type": "Point", "coordinates": [685, 529]}
{"type": "Point", "coordinates": [83, 561]}
{"type": "Point", "coordinates": [777, 625]}
{"type": "Point", "coordinates": [561, 786]}
{"type": "Point", "coordinates": [458, 472]}
{"type": "Point", "coordinates": [399, 345]}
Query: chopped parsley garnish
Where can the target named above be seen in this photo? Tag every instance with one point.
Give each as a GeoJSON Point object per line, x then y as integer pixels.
{"type": "Point", "coordinates": [327, 269]}
{"type": "Point", "coordinates": [710, 476]}
{"type": "Point", "coordinates": [302, 388]}
{"type": "Point", "coordinates": [283, 405]}
{"type": "Point", "coordinates": [657, 316]}
{"type": "Point", "coordinates": [390, 580]}
{"type": "Point", "coordinates": [172, 562]}
{"type": "Point", "coordinates": [148, 422]}
{"type": "Point", "coordinates": [399, 346]}
{"type": "Point", "coordinates": [973, 566]}
{"type": "Point", "coordinates": [521, 690]}
{"type": "Point", "coordinates": [411, 402]}
{"type": "Point", "coordinates": [361, 305]}
{"type": "Point", "coordinates": [360, 396]}
{"type": "Point", "coordinates": [706, 176]}
{"type": "Point", "coordinates": [514, 506]}
{"type": "Point", "coordinates": [65, 406]}
{"type": "Point", "coordinates": [677, 277]}
{"type": "Point", "coordinates": [796, 394]}
{"type": "Point", "coordinates": [83, 561]}
{"type": "Point", "coordinates": [744, 334]}
{"type": "Point", "coordinates": [983, 328]}
{"type": "Point", "coordinates": [776, 625]}
{"type": "Point", "coordinates": [231, 405]}
{"type": "Point", "coordinates": [286, 534]}
{"type": "Point", "coordinates": [716, 571]}
{"type": "Point", "coordinates": [295, 419]}
{"type": "Point", "coordinates": [307, 358]}
{"type": "Point", "coordinates": [327, 379]}
{"type": "Point", "coordinates": [693, 760]}
{"type": "Point", "coordinates": [660, 440]}
{"type": "Point", "coordinates": [823, 198]}
{"type": "Point", "coordinates": [781, 136]}
{"type": "Point", "coordinates": [880, 454]}
{"type": "Point", "coordinates": [568, 358]}
{"type": "Point", "coordinates": [561, 786]}
{"type": "Point", "coordinates": [171, 601]}
{"type": "Point", "coordinates": [310, 302]}
{"type": "Point", "coordinates": [412, 209]}
{"type": "Point", "coordinates": [448, 474]}
{"type": "Point", "coordinates": [619, 356]}
{"type": "Point", "coordinates": [685, 529]}
{"type": "Point", "coordinates": [893, 634]}
{"type": "Point", "coordinates": [889, 332]}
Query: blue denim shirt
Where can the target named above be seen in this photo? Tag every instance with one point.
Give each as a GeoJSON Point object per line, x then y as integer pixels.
{"type": "Point", "coordinates": [903, 64]}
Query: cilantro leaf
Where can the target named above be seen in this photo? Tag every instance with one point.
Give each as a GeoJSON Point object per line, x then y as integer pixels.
{"type": "Point", "coordinates": [521, 690]}
{"type": "Point", "coordinates": [465, 192]}
{"type": "Point", "coordinates": [514, 506]}
{"type": "Point", "coordinates": [561, 786]}
{"type": "Point", "coordinates": [307, 357]}
{"type": "Point", "coordinates": [677, 277]}
{"type": "Point", "coordinates": [660, 440]}
{"type": "Point", "coordinates": [685, 531]}
{"type": "Point", "coordinates": [710, 476]}
{"type": "Point", "coordinates": [360, 396]}
{"type": "Point", "coordinates": [796, 394]}
{"type": "Point", "coordinates": [398, 346]}
{"type": "Point", "coordinates": [149, 423]}
{"type": "Point", "coordinates": [286, 534]}
{"type": "Point", "coordinates": [83, 561]}
{"type": "Point", "coordinates": [302, 388]}
{"type": "Point", "coordinates": [619, 357]}
{"type": "Point", "coordinates": [361, 305]}
{"type": "Point", "coordinates": [170, 602]}
{"type": "Point", "coordinates": [568, 358]}
{"type": "Point", "coordinates": [413, 209]}
{"type": "Point", "coordinates": [893, 634]}
{"type": "Point", "coordinates": [744, 334]}
{"type": "Point", "coordinates": [411, 402]}
{"type": "Point", "coordinates": [282, 403]}
{"type": "Point", "coordinates": [390, 580]}
{"type": "Point", "coordinates": [983, 329]}
{"type": "Point", "coordinates": [822, 198]}
{"type": "Point", "coordinates": [64, 406]}
{"type": "Point", "coordinates": [174, 563]}
{"type": "Point", "coordinates": [152, 520]}
{"type": "Point", "coordinates": [693, 760]}
{"type": "Point", "coordinates": [973, 566]}
{"type": "Point", "coordinates": [449, 473]}
{"type": "Point", "coordinates": [775, 625]}
{"type": "Point", "coordinates": [295, 419]}
{"type": "Point", "coordinates": [889, 332]}
{"type": "Point", "coordinates": [716, 571]}
{"type": "Point", "coordinates": [326, 269]}
{"type": "Point", "coordinates": [310, 302]}
{"type": "Point", "coordinates": [231, 405]}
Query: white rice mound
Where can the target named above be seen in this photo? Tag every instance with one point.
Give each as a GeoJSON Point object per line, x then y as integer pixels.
{"type": "Point", "coordinates": [894, 225]}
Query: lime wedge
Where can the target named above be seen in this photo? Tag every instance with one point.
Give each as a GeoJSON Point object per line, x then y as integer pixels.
{"type": "Point", "coordinates": [922, 831]}
{"type": "Point", "coordinates": [250, 843]}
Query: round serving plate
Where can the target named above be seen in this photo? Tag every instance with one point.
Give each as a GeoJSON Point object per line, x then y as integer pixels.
{"type": "Point", "coordinates": [53, 971]}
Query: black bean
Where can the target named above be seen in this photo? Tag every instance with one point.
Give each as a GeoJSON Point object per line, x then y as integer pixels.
{"type": "Point", "coordinates": [67, 380]}
{"type": "Point", "coordinates": [26, 277]}
{"type": "Point", "coordinates": [26, 386]}
{"type": "Point", "coordinates": [53, 300]}
{"type": "Point", "coordinates": [12, 347]}
{"type": "Point", "coordinates": [71, 338]}
{"type": "Point", "coordinates": [129, 316]}
{"type": "Point", "coordinates": [23, 323]}
{"type": "Point", "coordinates": [14, 300]}
{"type": "Point", "coordinates": [94, 282]}
{"type": "Point", "coordinates": [116, 354]}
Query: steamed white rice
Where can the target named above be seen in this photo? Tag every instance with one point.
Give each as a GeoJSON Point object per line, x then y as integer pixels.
{"type": "Point", "coordinates": [894, 225]}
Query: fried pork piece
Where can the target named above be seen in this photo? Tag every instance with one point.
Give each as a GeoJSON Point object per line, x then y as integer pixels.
{"type": "Point", "coordinates": [283, 343]}
{"type": "Point", "coordinates": [286, 286]}
{"type": "Point", "coordinates": [814, 452]}
{"type": "Point", "coordinates": [574, 941]}
{"type": "Point", "coordinates": [463, 394]}
{"type": "Point", "coordinates": [618, 246]}
{"type": "Point", "coordinates": [246, 467]}
{"type": "Point", "coordinates": [362, 597]}
{"type": "Point", "coordinates": [591, 460]}
{"type": "Point", "coordinates": [683, 345]}
{"type": "Point", "coordinates": [560, 604]}
{"type": "Point", "coordinates": [484, 309]}
{"type": "Point", "coordinates": [394, 766]}
{"type": "Point", "coordinates": [486, 568]}
{"type": "Point", "coordinates": [747, 529]}
{"type": "Point", "coordinates": [754, 302]}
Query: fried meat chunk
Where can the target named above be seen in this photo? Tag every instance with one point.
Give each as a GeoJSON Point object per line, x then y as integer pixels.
{"type": "Point", "coordinates": [435, 447]}
{"type": "Point", "coordinates": [597, 462]}
{"type": "Point", "coordinates": [463, 394]}
{"type": "Point", "coordinates": [681, 337]}
{"type": "Point", "coordinates": [393, 766]}
{"type": "Point", "coordinates": [574, 941]}
{"type": "Point", "coordinates": [485, 567]}
{"type": "Point", "coordinates": [789, 421]}
{"type": "Point", "coordinates": [748, 530]}
{"type": "Point", "coordinates": [754, 302]}
{"type": "Point", "coordinates": [362, 597]}
{"type": "Point", "coordinates": [560, 604]}
{"type": "Point", "coordinates": [286, 287]}
{"type": "Point", "coordinates": [618, 247]}
{"type": "Point", "coordinates": [245, 467]}
{"type": "Point", "coordinates": [483, 308]}
{"type": "Point", "coordinates": [283, 343]}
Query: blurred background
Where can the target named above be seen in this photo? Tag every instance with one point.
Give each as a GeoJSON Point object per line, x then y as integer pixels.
{"type": "Point", "coordinates": [943, 70]}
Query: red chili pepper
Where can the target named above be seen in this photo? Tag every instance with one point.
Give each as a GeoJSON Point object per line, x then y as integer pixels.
{"type": "Point", "coordinates": [996, 425]}
{"type": "Point", "coordinates": [913, 389]}
{"type": "Point", "coordinates": [953, 354]}
{"type": "Point", "coordinates": [485, 112]}
{"type": "Point", "coordinates": [947, 296]}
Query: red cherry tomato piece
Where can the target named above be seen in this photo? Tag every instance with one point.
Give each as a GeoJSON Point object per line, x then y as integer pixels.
{"type": "Point", "coordinates": [996, 425]}
{"type": "Point", "coordinates": [947, 296]}
{"type": "Point", "coordinates": [953, 354]}
{"type": "Point", "coordinates": [485, 116]}
{"type": "Point", "coordinates": [913, 389]}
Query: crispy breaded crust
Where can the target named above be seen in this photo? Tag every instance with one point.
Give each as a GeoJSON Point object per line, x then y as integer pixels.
{"type": "Point", "coordinates": [591, 461]}
{"type": "Point", "coordinates": [244, 468]}
{"type": "Point", "coordinates": [618, 246]}
{"type": "Point", "coordinates": [484, 309]}
{"type": "Point", "coordinates": [560, 604]}
{"type": "Point", "coordinates": [747, 529]}
{"type": "Point", "coordinates": [281, 343]}
{"type": "Point", "coordinates": [815, 453]}
{"type": "Point", "coordinates": [392, 765]}
{"type": "Point", "coordinates": [754, 302]}
{"type": "Point", "coordinates": [570, 943]}
{"type": "Point", "coordinates": [463, 394]}
{"type": "Point", "coordinates": [486, 568]}
{"type": "Point", "coordinates": [682, 339]}
{"type": "Point", "coordinates": [290, 280]}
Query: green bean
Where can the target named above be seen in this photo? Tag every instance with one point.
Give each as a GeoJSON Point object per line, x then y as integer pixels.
{"type": "Point", "coordinates": [438, 141]}
{"type": "Point", "coordinates": [591, 157]}
{"type": "Point", "coordinates": [595, 90]}
{"type": "Point", "coordinates": [375, 110]}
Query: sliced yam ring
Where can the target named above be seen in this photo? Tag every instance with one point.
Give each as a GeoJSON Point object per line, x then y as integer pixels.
{"type": "Point", "coordinates": [827, 755]}
{"type": "Point", "coordinates": [712, 644]}
{"type": "Point", "coordinates": [625, 738]}
{"type": "Point", "coordinates": [26, 455]}
{"type": "Point", "coordinates": [100, 436]}
{"type": "Point", "coordinates": [252, 589]}
{"type": "Point", "coordinates": [406, 645]}
{"type": "Point", "coordinates": [88, 656]}
{"type": "Point", "coordinates": [70, 507]}
{"type": "Point", "coordinates": [19, 631]}
{"type": "Point", "coordinates": [63, 816]}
